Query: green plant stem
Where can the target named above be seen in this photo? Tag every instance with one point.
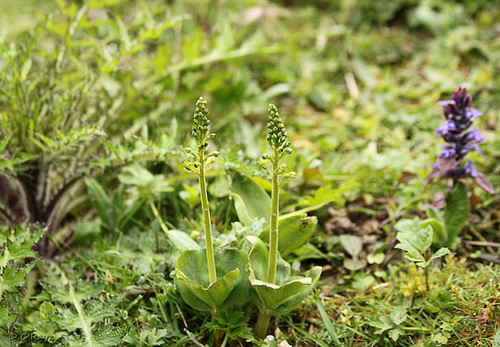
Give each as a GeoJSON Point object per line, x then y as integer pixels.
{"type": "Point", "coordinates": [262, 325]}
{"type": "Point", "coordinates": [206, 219]}
{"type": "Point", "coordinates": [426, 271]}
{"type": "Point", "coordinates": [273, 228]}
{"type": "Point", "coordinates": [81, 316]}
{"type": "Point", "coordinates": [224, 343]}
{"type": "Point", "coordinates": [427, 279]}
{"type": "Point", "coordinates": [157, 215]}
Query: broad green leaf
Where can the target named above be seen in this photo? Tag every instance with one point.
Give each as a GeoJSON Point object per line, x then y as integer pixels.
{"type": "Point", "coordinates": [352, 244]}
{"type": "Point", "coordinates": [441, 339]}
{"type": "Point", "coordinates": [142, 181]}
{"type": "Point", "coordinates": [220, 186]}
{"type": "Point", "coordinates": [377, 258]}
{"type": "Point", "coordinates": [294, 232]}
{"type": "Point", "coordinates": [216, 293]}
{"type": "Point", "coordinates": [181, 240]}
{"type": "Point", "coordinates": [241, 210]}
{"type": "Point", "coordinates": [281, 299]}
{"type": "Point", "coordinates": [326, 195]}
{"type": "Point", "coordinates": [136, 175]}
{"type": "Point", "coordinates": [259, 261]}
{"type": "Point", "coordinates": [87, 232]}
{"type": "Point", "coordinates": [309, 251]}
{"type": "Point", "coordinates": [456, 213]}
{"type": "Point", "coordinates": [354, 264]}
{"type": "Point", "coordinates": [408, 226]}
{"type": "Point", "coordinates": [192, 279]}
{"type": "Point", "coordinates": [433, 213]}
{"type": "Point", "coordinates": [363, 282]}
{"type": "Point", "coordinates": [250, 200]}
{"type": "Point", "coordinates": [105, 209]}
{"type": "Point", "coordinates": [287, 293]}
{"type": "Point", "coordinates": [439, 234]}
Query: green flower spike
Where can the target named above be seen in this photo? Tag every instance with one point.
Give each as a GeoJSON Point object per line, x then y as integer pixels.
{"type": "Point", "coordinates": [278, 293]}
{"type": "Point", "coordinates": [201, 136]}
{"type": "Point", "coordinates": [280, 146]}
{"type": "Point", "coordinates": [277, 136]}
{"type": "Point", "coordinates": [196, 269]}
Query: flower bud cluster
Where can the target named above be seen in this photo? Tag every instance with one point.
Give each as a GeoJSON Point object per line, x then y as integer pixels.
{"type": "Point", "coordinates": [201, 136]}
{"type": "Point", "coordinates": [277, 136]}
{"type": "Point", "coordinates": [459, 117]}
{"type": "Point", "coordinates": [201, 124]}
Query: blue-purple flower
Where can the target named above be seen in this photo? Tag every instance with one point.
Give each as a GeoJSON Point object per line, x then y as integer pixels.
{"type": "Point", "coordinates": [459, 117]}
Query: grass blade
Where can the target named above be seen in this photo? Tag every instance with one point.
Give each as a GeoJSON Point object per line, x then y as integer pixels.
{"type": "Point", "coordinates": [326, 320]}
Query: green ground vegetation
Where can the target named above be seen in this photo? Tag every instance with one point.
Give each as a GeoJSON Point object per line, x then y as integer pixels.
{"type": "Point", "coordinates": [96, 108]}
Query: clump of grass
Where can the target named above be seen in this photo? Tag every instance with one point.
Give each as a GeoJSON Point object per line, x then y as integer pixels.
{"type": "Point", "coordinates": [459, 308]}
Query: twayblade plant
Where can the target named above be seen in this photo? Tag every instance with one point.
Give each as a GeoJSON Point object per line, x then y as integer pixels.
{"type": "Point", "coordinates": [199, 166]}
{"type": "Point", "coordinates": [278, 293]}
{"type": "Point", "coordinates": [196, 270]}
{"type": "Point", "coordinates": [277, 139]}
{"type": "Point", "coordinates": [461, 140]}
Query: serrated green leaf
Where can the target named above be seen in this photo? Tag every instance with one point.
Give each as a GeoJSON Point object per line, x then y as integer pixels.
{"type": "Point", "coordinates": [423, 239]}
{"type": "Point", "coordinates": [13, 277]}
{"type": "Point", "coordinates": [399, 315]}
{"type": "Point", "coordinates": [383, 324]}
{"type": "Point", "coordinates": [441, 252]}
{"type": "Point", "coordinates": [394, 334]}
{"type": "Point", "coordinates": [496, 339]}
{"type": "Point", "coordinates": [411, 252]}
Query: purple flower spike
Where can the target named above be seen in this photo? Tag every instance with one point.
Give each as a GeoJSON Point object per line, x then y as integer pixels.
{"type": "Point", "coordinates": [474, 136]}
{"type": "Point", "coordinates": [448, 152]}
{"type": "Point", "coordinates": [445, 128]}
{"type": "Point", "coordinates": [470, 170]}
{"type": "Point", "coordinates": [459, 117]}
{"type": "Point", "coordinates": [473, 114]}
